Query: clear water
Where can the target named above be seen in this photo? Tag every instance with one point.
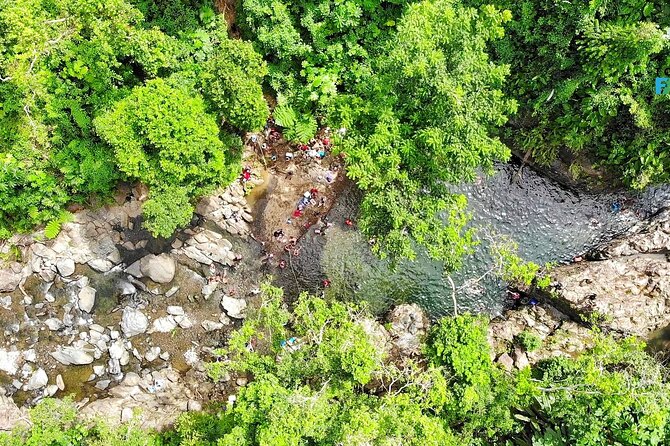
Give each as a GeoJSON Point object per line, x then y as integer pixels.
{"type": "Point", "coordinates": [550, 223]}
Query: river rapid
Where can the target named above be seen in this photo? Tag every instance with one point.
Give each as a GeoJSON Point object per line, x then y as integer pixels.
{"type": "Point", "coordinates": [550, 223]}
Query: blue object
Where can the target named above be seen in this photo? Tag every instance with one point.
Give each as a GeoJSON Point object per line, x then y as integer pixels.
{"type": "Point", "coordinates": [616, 207]}
{"type": "Point", "coordinates": [533, 301]}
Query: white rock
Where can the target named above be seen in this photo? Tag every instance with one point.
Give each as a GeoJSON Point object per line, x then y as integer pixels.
{"type": "Point", "coordinates": [164, 324]}
{"type": "Point", "coordinates": [59, 382]}
{"type": "Point", "coordinates": [193, 405]}
{"type": "Point", "coordinates": [38, 380]}
{"type": "Point", "coordinates": [133, 322]}
{"type": "Point", "coordinates": [72, 355]}
{"type": "Point", "coordinates": [51, 390]}
{"type": "Point", "coordinates": [87, 299]}
{"type": "Point", "coordinates": [152, 354]}
{"type": "Point", "coordinates": [54, 324]}
{"type": "Point", "coordinates": [9, 280]}
{"type": "Point", "coordinates": [172, 291]}
{"type": "Point", "coordinates": [99, 370]}
{"type": "Point", "coordinates": [209, 289]}
{"type": "Point", "coordinates": [65, 267]}
{"type": "Point", "coordinates": [160, 269]}
{"type": "Point", "coordinates": [30, 355]}
{"type": "Point", "coordinates": [211, 325]}
{"type": "Point", "coordinates": [175, 310]}
{"type": "Point", "coordinates": [9, 361]}
{"type": "Point", "coordinates": [117, 349]}
{"type": "Point", "coordinates": [234, 307]}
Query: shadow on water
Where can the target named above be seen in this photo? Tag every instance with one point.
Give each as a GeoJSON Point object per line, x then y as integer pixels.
{"type": "Point", "coordinates": [549, 222]}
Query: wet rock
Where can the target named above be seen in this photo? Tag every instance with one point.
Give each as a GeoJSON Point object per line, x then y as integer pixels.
{"type": "Point", "coordinates": [65, 267]}
{"type": "Point", "coordinates": [211, 325]}
{"type": "Point", "coordinates": [72, 356]}
{"type": "Point", "coordinates": [9, 361]}
{"type": "Point", "coordinates": [133, 322]}
{"type": "Point", "coordinates": [160, 269]}
{"type": "Point", "coordinates": [408, 327]}
{"type": "Point", "coordinates": [87, 299]}
{"type": "Point", "coordinates": [38, 380]}
{"type": "Point", "coordinates": [9, 280]}
{"type": "Point", "coordinates": [235, 308]}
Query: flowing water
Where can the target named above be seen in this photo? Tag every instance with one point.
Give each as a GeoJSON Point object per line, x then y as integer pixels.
{"type": "Point", "coordinates": [550, 223]}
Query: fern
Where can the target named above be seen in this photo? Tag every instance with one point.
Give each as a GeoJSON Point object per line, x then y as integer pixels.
{"type": "Point", "coordinates": [52, 229]}
{"type": "Point", "coordinates": [285, 116]}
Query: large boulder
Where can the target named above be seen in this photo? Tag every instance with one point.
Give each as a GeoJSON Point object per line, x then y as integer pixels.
{"type": "Point", "coordinates": [160, 269]}
{"type": "Point", "coordinates": [133, 322]}
{"type": "Point", "coordinates": [408, 327]}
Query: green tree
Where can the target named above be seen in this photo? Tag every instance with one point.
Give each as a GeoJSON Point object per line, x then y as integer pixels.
{"type": "Point", "coordinates": [163, 136]}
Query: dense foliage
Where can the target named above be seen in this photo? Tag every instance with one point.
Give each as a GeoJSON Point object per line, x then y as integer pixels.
{"type": "Point", "coordinates": [585, 74]}
{"type": "Point", "coordinates": [320, 376]}
{"type": "Point", "coordinates": [80, 84]}
{"type": "Point", "coordinates": [416, 92]}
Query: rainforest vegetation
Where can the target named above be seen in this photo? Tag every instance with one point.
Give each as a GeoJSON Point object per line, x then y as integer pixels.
{"type": "Point", "coordinates": [339, 386]}
{"type": "Point", "coordinates": [429, 93]}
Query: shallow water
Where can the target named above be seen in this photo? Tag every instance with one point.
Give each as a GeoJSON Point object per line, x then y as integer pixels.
{"type": "Point", "coordinates": [549, 222]}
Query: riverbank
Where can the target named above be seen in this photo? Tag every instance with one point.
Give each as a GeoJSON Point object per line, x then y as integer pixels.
{"type": "Point", "coordinates": [124, 322]}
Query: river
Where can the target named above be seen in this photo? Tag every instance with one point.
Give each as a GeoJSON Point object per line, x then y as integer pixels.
{"type": "Point", "coordinates": [550, 223]}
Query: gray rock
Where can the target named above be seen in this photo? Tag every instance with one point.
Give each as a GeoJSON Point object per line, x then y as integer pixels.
{"type": "Point", "coordinates": [408, 327]}
{"type": "Point", "coordinates": [133, 322]}
{"type": "Point", "coordinates": [86, 299]}
{"type": "Point", "coordinates": [235, 308]}
{"type": "Point", "coordinates": [103, 384]}
{"type": "Point", "coordinates": [194, 406]}
{"type": "Point", "coordinates": [134, 270]}
{"type": "Point", "coordinates": [72, 356]}
{"type": "Point", "coordinates": [9, 361]}
{"type": "Point", "coordinates": [160, 269]}
{"type": "Point", "coordinates": [65, 267]}
{"type": "Point", "coordinates": [183, 321]}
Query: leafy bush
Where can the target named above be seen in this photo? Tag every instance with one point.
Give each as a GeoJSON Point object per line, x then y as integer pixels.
{"type": "Point", "coordinates": [529, 341]}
